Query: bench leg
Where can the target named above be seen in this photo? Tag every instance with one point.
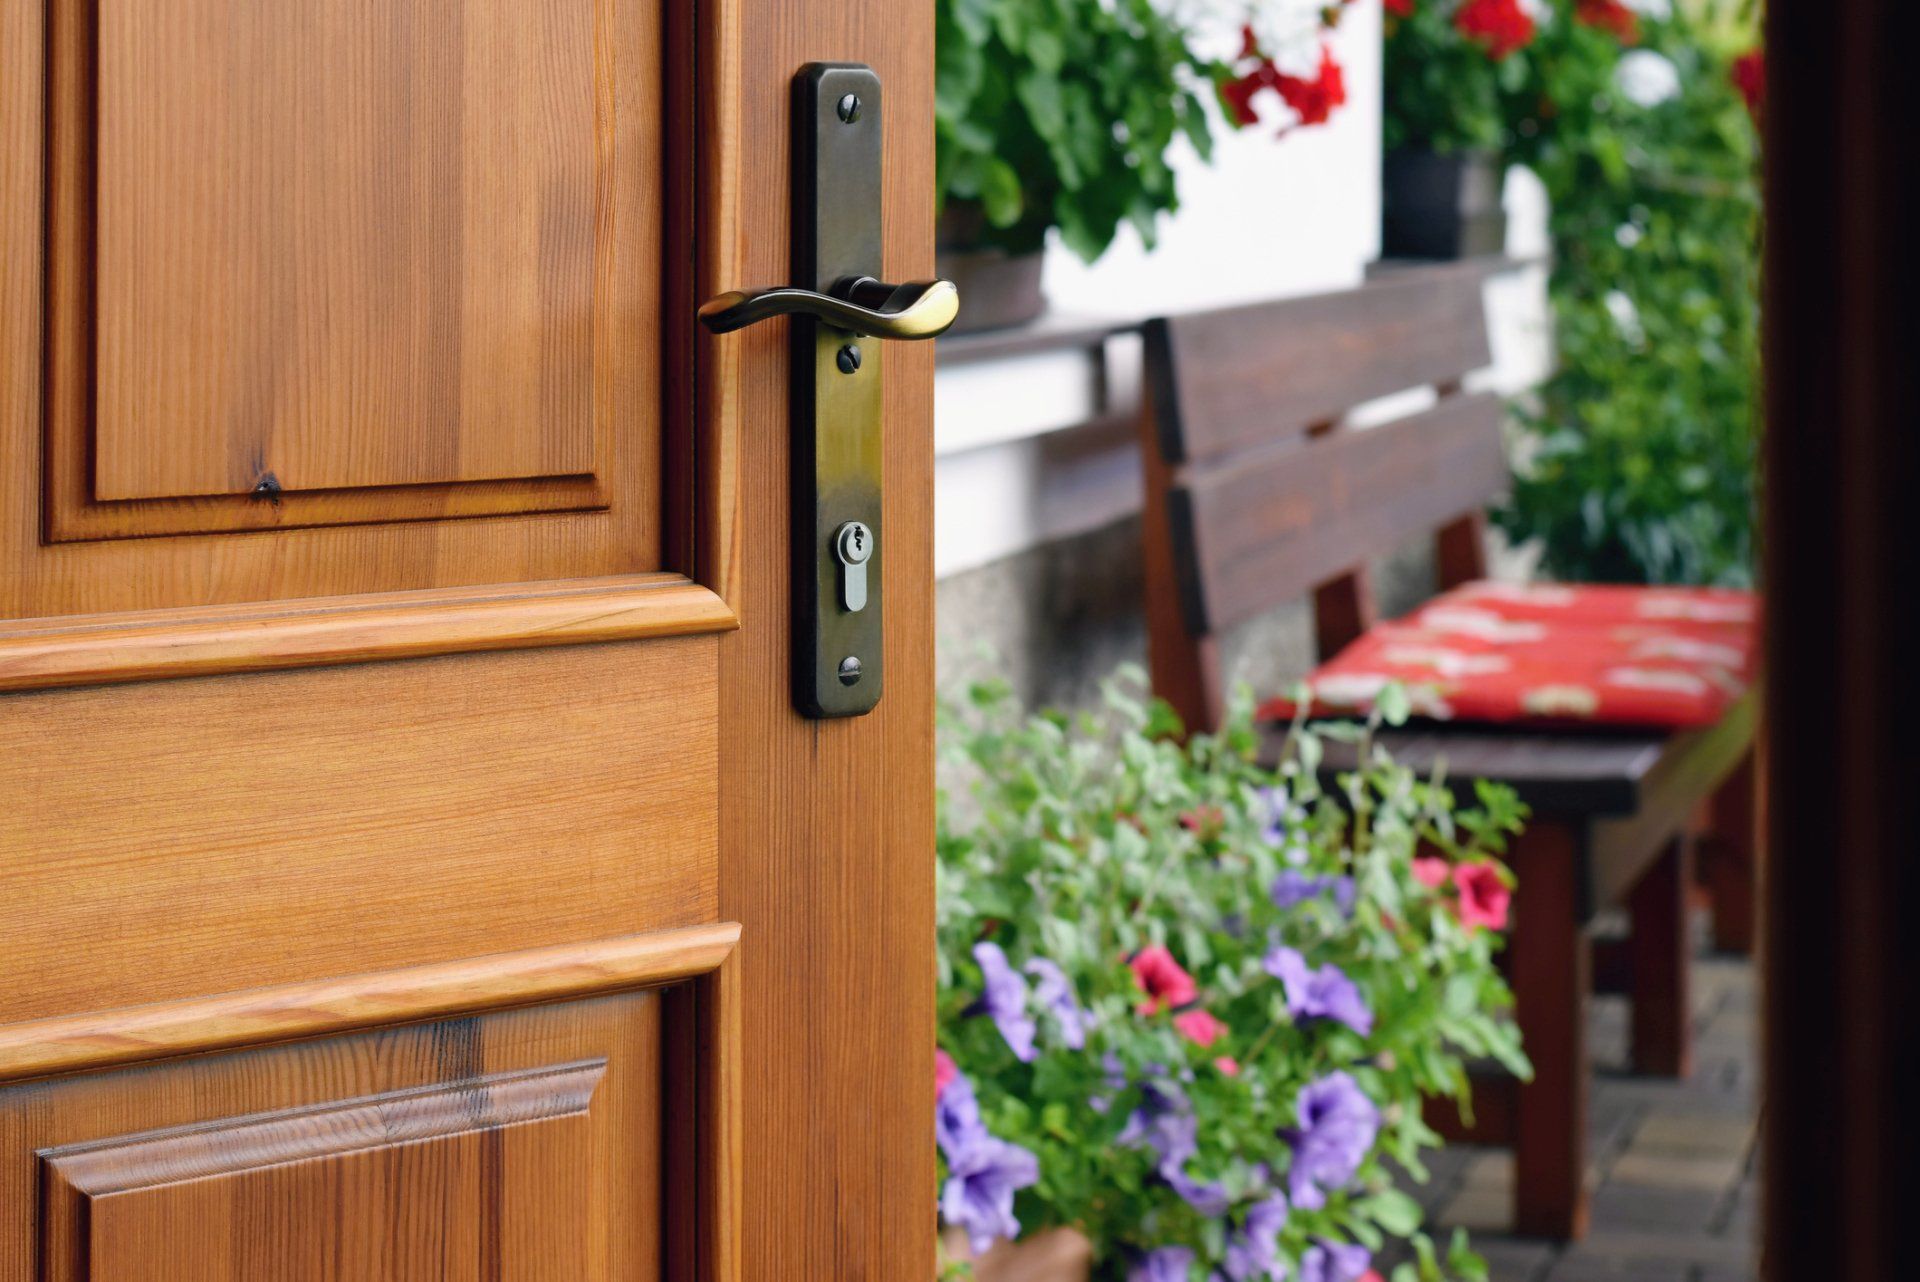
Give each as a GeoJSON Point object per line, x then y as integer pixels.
{"type": "Point", "coordinates": [1550, 980]}
{"type": "Point", "coordinates": [1662, 1040]}
{"type": "Point", "coordinates": [1728, 852]}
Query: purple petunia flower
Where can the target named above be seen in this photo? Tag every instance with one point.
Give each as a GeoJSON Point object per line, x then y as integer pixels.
{"type": "Point", "coordinates": [1293, 888]}
{"type": "Point", "coordinates": [1254, 1252]}
{"type": "Point", "coordinates": [1113, 1075]}
{"type": "Point", "coordinates": [1279, 817]}
{"type": "Point", "coordinates": [1053, 991]}
{"type": "Point", "coordinates": [1168, 1264]}
{"type": "Point", "coordinates": [1334, 1262]}
{"type": "Point", "coordinates": [1165, 1124]}
{"type": "Point", "coordinates": [982, 1177]}
{"type": "Point", "coordinates": [1326, 993]}
{"type": "Point", "coordinates": [1338, 1124]}
{"type": "Point", "coordinates": [956, 1117]}
{"type": "Point", "coordinates": [1003, 997]}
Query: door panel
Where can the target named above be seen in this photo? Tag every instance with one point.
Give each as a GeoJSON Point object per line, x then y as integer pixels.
{"type": "Point", "coordinates": [322, 264]}
{"type": "Point", "coordinates": [402, 290]}
{"type": "Point", "coordinates": [200, 836]}
{"type": "Point", "coordinates": [526, 1145]}
{"type": "Point", "coordinates": [528, 538]}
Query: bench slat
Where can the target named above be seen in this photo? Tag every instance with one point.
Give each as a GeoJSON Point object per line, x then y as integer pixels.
{"type": "Point", "coordinates": [1261, 530]}
{"type": "Point", "coordinates": [1226, 380]}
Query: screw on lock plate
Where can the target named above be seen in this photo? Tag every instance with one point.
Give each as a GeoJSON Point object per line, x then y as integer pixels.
{"type": "Point", "coordinates": [853, 548]}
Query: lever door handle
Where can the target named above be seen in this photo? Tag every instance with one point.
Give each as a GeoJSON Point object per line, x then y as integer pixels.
{"type": "Point", "coordinates": [865, 306]}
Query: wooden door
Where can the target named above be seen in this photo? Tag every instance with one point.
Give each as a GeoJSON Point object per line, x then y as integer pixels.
{"type": "Point", "coordinates": [411, 865]}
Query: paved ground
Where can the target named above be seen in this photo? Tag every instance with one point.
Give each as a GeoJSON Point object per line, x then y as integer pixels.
{"type": "Point", "coordinates": [1675, 1192]}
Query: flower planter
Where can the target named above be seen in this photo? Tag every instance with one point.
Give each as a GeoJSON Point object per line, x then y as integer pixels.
{"type": "Point", "coordinates": [998, 289]}
{"type": "Point", "coordinates": [1441, 205]}
{"type": "Point", "coordinates": [1052, 1255]}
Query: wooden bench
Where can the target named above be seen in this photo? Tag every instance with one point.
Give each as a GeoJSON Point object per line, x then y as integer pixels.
{"type": "Point", "coordinates": [1258, 493]}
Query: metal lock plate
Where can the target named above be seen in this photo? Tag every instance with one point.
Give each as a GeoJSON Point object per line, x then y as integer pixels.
{"type": "Point", "coordinates": [838, 604]}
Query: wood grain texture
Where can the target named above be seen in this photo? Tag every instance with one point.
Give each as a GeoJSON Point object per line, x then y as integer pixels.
{"type": "Point", "coordinates": [412, 547]}
{"type": "Point", "coordinates": [483, 1178]}
{"type": "Point", "coordinates": [1226, 380]}
{"type": "Point", "coordinates": [1260, 530]}
{"type": "Point", "coordinates": [168, 840]}
{"type": "Point", "coordinates": [424, 275]}
{"type": "Point", "coordinates": [527, 1143]}
{"type": "Point", "coordinates": [826, 828]}
{"type": "Point", "coordinates": [401, 290]}
{"type": "Point", "coordinates": [101, 649]}
{"type": "Point", "coordinates": [73, 1043]}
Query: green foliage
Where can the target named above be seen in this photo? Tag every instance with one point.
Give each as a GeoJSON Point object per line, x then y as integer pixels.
{"type": "Point", "coordinates": [1059, 113]}
{"type": "Point", "coordinates": [1442, 91]}
{"type": "Point", "coordinates": [1085, 841]}
{"type": "Point", "coordinates": [1637, 461]}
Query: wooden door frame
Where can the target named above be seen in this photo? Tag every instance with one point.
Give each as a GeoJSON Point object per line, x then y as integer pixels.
{"type": "Point", "coordinates": [1841, 465]}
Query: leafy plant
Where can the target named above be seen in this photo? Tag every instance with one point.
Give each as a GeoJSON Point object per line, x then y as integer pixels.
{"type": "Point", "coordinates": [1638, 454]}
{"type": "Point", "coordinates": [1450, 70]}
{"type": "Point", "coordinates": [1060, 113]}
{"type": "Point", "coordinates": [1189, 1006]}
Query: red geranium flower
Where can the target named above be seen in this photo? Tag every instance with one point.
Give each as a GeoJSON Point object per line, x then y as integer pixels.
{"type": "Point", "coordinates": [1501, 25]}
{"type": "Point", "coordinates": [1162, 979]}
{"type": "Point", "coordinates": [1484, 897]}
{"type": "Point", "coordinates": [1398, 8]}
{"type": "Point", "coordinates": [1314, 100]}
{"type": "Point", "coordinates": [944, 1071]}
{"type": "Point", "coordinates": [1610, 15]}
{"type": "Point", "coordinates": [1199, 1027]}
{"type": "Point", "coordinates": [1749, 74]}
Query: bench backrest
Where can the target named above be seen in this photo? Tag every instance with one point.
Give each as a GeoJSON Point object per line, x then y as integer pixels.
{"type": "Point", "coordinates": [1256, 490]}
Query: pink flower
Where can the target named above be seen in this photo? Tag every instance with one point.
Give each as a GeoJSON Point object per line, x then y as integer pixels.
{"type": "Point", "coordinates": [1484, 897]}
{"type": "Point", "coordinates": [944, 1071]}
{"type": "Point", "coordinates": [1228, 1066]}
{"type": "Point", "coordinates": [1162, 979]}
{"type": "Point", "coordinates": [1431, 871]}
{"type": "Point", "coordinates": [1199, 1027]}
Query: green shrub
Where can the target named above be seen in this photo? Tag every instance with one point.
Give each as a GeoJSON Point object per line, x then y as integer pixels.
{"type": "Point", "coordinates": [1637, 457]}
{"type": "Point", "coordinates": [1131, 1042]}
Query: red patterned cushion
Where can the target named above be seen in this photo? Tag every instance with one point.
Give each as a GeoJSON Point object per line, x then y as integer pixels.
{"type": "Point", "coordinates": [1553, 654]}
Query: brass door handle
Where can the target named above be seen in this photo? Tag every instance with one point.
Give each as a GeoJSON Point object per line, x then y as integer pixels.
{"type": "Point", "coordinates": [865, 306]}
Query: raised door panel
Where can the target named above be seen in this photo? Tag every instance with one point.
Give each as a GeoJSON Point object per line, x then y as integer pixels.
{"type": "Point", "coordinates": [329, 263]}
{"type": "Point", "coordinates": [534, 1144]}
{"type": "Point", "coordinates": [400, 290]}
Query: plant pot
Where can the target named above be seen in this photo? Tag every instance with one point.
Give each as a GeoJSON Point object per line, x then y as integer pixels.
{"type": "Point", "coordinates": [998, 290]}
{"type": "Point", "coordinates": [1441, 204]}
{"type": "Point", "coordinates": [1051, 1255]}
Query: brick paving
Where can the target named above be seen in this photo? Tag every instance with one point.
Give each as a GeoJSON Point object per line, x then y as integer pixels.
{"type": "Point", "coordinates": [1674, 1186]}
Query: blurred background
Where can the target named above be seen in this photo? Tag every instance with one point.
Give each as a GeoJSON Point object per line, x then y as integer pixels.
{"type": "Point", "coordinates": [1117, 178]}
